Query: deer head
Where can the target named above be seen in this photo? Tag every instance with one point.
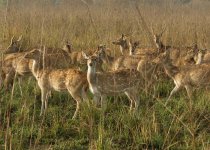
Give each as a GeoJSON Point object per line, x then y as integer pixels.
{"type": "Point", "coordinates": [68, 47]}
{"type": "Point", "coordinates": [122, 42]}
{"type": "Point", "coordinates": [157, 38]}
{"type": "Point", "coordinates": [101, 51]}
{"type": "Point", "coordinates": [14, 46]}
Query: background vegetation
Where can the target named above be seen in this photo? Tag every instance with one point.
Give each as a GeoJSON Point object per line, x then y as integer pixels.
{"type": "Point", "coordinates": [154, 126]}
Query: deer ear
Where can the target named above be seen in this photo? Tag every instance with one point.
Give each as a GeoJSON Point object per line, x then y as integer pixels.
{"type": "Point", "coordinates": [68, 42]}
{"type": "Point", "coordinates": [39, 50]}
{"type": "Point", "coordinates": [130, 43]}
{"type": "Point", "coordinates": [123, 36]}
{"type": "Point", "coordinates": [85, 55]}
{"type": "Point", "coordinates": [20, 38]}
{"type": "Point", "coordinates": [99, 46]}
{"type": "Point", "coordinates": [204, 51]}
{"type": "Point", "coordinates": [155, 36]}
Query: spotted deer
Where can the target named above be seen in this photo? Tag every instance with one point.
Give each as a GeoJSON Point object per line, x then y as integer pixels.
{"type": "Point", "coordinates": [188, 76]}
{"type": "Point", "coordinates": [123, 43]}
{"type": "Point", "coordinates": [110, 83]}
{"type": "Point", "coordinates": [199, 56]}
{"type": "Point", "coordinates": [179, 56]}
{"type": "Point", "coordinates": [72, 80]}
{"type": "Point", "coordinates": [16, 64]}
{"type": "Point", "coordinates": [148, 70]}
{"type": "Point", "coordinates": [123, 62]}
{"type": "Point", "coordinates": [75, 56]}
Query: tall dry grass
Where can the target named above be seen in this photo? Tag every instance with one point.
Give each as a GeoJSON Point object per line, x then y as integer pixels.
{"type": "Point", "coordinates": [41, 22]}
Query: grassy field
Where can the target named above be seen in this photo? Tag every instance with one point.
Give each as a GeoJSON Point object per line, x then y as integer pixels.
{"type": "Point", "coordinates": [154, 126]}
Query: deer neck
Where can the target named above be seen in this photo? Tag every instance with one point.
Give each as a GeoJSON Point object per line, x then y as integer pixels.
{"type": "Point", "coordinates": [91, 75]}
{"type": "Point", "coordinates": [92, 80]}
{"type": "Point", "coordinates": [160, 45]}
{"type": "Point", "coordinates": [170, 69]}
{"type": "Point", "coordinates": [199, 58]}
{"type": "Point", "coordinates": [130, 52]}
{"type": "Point", "coordinates": [124, 47]}
{"type": "Point", "coordinates": [67, 48]}
{"type": "Point", "coordinates": [36, 67]}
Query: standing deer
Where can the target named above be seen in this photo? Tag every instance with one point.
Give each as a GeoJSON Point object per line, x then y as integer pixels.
{"type": "Point", "coordinates": [187, 76]}
{"type": "Point", "coordinates": [123, 43]}
{"type": "Point", "coordinates": [15, 63]}
{"type": "Point", "coordinates": [123, 62]}
{"type": "Point", "coordinates": [179, 56]}
{"type": "Point", "coordinates": [112, 82]}
{"type": "Point", "coordinates": [198, 56]}
{"type": "Point", "coordinates": [71, 80]}
{"type": "Point", "coordinates": [77, 58]}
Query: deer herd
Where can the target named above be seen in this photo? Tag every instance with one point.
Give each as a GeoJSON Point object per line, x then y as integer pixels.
{"type": "Point", "coordinates": [58, 69]}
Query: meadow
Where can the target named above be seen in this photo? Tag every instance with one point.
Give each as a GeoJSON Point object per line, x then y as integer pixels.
{"type": "Point", "coordinates": [154, 126]}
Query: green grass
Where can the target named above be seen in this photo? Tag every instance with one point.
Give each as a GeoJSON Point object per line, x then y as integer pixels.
{"type": "Point", "coordinates": [152, 127]}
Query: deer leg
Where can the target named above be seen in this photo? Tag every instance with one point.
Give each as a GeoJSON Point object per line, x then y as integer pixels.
{"type": "Point", "coordinates": [85, 97]}
{"type": "Point", "coordinates": [103, 102]}
{"type": "Point", "coordinates": [48, 94]}
{"type": "Point", "coordinates": [96, 100]}
{"type": "Point", "coordinates": [43, 99]}
{"type": "Point", "coordinates": [136, 102]}
{"type": "Point", "coordinates": [19, 84]}
{"type": "Point", "coordinates": [176, 88]}
{"type": "Point", "coordinates": [1, 79]}
{"type": "Point", "coordinates": [8, 80]}
{"type": "Point", "coordinates": [78, 100]}
{"type": "Point", "coordinates": [130, 97]}
{"type": "Point", "coordinates": [84, 94]}
{"type": "Point", "coordinates": [133, 95]}
{"type": "Point", "coordinates": [77, 97]}
{"type": "Point", "coordinates": [189, 93]}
